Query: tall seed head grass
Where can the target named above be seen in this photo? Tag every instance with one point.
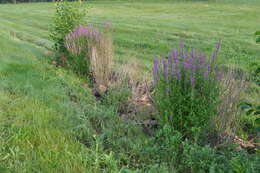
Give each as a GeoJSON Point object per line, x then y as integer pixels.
{"type": "Point", "coordinates": [227, 119]}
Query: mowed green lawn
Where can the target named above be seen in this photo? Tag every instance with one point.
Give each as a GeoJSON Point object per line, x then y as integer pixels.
{"type": "Point", "coordinates": [37, 116]}
{"type": "Point", "coordinates": [146, 29]}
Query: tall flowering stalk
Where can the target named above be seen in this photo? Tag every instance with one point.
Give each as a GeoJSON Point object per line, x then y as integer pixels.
{"type": "Point", "coordinates": [90, 53]}
{"type": "Point", "coordinates": [186, 88]}
{"type": "Point", "coordinates": [77, 41]}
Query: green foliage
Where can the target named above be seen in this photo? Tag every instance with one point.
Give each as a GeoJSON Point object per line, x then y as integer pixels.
{"type": "Point", "coordinates": [186, 91]}
{"type": "Point", "coordinates": [255, 73]}
{"type": "Point", "coordinates": [175, 155]}
{"type": "Point", "coordinates": [257, 35]}
{"type": "Point", "coordinates": [117, 97]}
{"type": "Point", "coordinates": [251, 120]}
{"type": "Point", "coordinates": [68, 15]}
{"type": "Point", "coordinates": [80, 64]}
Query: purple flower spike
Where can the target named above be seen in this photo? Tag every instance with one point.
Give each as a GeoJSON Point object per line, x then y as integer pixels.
{"type": "Point", "coordinates": [206, 73]}
{"type": "Point", "coordinates": [202, 59]}
{"type": "Point", "coordinates": [192, 53]}
{"type": "Point", "coordinates": [214, 56]}
{"type": "Point", "coordinates": [219, 75]}
{"type": "Point", "coordinates": [175, 56]}
{"type": "Point", "coordinates": [187, 63]}
{"type": "Point", "coordinates": [156, 69]}
{"type": "Point", "coordinates": [173, 68]}
{"type": "Point", "coordinates": [178, 73]}
{"type": "Point", "coordinates": [215, 53]}
{"type": "Point", "coordinates": [170, 63]}
{"type": "Point", "coordinates": [165, 69]}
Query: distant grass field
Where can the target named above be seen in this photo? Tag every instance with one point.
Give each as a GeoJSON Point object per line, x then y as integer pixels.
{"type": "Point", "coordinates": [37, 115]}
{"type": "Point", "coordinates": [146, 29]}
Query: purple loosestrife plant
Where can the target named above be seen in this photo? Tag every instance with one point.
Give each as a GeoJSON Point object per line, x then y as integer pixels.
{"type": "Point", "coordinates": [90, 53]}
{"type": "Point", "coordinates": [78, 43]}
{"type": "Point", "coordinates": [186, 89]}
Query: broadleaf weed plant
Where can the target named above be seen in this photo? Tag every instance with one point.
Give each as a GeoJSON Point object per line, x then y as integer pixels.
{"type": "Point", "coordinates": [187, 89]}
{"type": "Point", "coordinates": [68, 15]}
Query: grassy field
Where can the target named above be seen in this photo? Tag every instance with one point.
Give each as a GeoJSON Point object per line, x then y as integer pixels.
{"type": "Point", "coordinates": [38, 118]}
{"type": "Point", "coordinates": [146, 29]}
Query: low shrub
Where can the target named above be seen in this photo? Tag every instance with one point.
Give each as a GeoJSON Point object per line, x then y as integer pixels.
{"type": "Point", "coordinates": [68, 15]}
{"type": "Point", "coordinates": [90, 53]}
{"type": "Point", "coordinates": [187, 89]}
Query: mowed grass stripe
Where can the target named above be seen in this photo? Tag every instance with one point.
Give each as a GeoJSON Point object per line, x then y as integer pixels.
{"type": "Point", "coordinates": [146, 29]}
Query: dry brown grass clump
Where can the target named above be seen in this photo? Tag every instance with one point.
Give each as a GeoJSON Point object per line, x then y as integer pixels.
{"type": "Point", "coordinates": [101, 56]}
{"type": "Point", "coordinates": [227, 119]}
{"type": "Point", "coordinates": [90, 53]}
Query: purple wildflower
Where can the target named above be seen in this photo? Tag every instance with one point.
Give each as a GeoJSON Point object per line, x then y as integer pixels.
{"type": "Point", "coordinates": [195, 63]}
{"type": "Point", "coordinates": [175, 56]}
{"type": "Point", "coordinates": [215, 53]}
{"type": "Point", "coordinates": [173, 68]}
{"type": "Point", "coordinates": [201, 59]}
{"type": "Point", "coordinates": [75, 41]}
{"type": "Point", "coordinates": [178, 73]}
{"type": "Point", "coordinates": [187, 63]}
{"type": "Point", "coordinates": [192, 53]}
{"type": "Point", "coordinates": [170, 63]}
{"type": "Point", "coordinates": [207, 71]}
{"type": "Point", "coordinates": [156, 69]}
{"type": "Point", "coordinates": [176, 63]}
{"type": "Point", "coordinates": [165, 69]}
{"type": "Point", "coordinates": [219, 75]}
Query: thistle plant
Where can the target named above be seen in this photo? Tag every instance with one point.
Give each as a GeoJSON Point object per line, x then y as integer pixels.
{"type": "Point", "coordinates": [187, 89]}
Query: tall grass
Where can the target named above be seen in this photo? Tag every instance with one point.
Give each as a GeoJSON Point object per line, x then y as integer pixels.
{"type": "Point", "coordinates": [227, 118]}
{"type": "Point", "coordinates": [91, 53]}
